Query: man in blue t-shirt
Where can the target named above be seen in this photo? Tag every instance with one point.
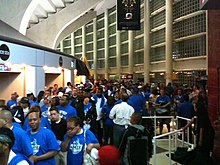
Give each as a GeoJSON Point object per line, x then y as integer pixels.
{"type": "Point", "coordinates": [7, 155]}
{"type": "Point", "coordinates": [163, 104]}
{"type": "Point", "coordinates": [75, 140]}
{"type": "Point", "coordinates": [13, 101]}
{"type": "Point", "coordinates": [22, 142]}
{"type": "Point", "coordinates": [65, 109]}
{"type": "Point", "coordinates": [43, 141]}
{"type": "Point", "coordinates": [137, 101]}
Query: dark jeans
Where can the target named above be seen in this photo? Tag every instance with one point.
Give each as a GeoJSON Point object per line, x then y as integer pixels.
{"type": "Point", "coordinates": [108, 134]}
{"type": "Point", "coordinates": [117, 133]}
{"type": "Point", "coordinates": [99, 131]}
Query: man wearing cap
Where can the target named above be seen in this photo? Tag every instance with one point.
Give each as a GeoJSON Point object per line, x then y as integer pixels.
{"type": "Point", "coordinates": [13, 101]}
{"type": "Point", "coordinates": [24, 102]}
{"type": "Point", "coordinates": [32, 99]}
{"type": "Point", "coordinates": [22, 142]}
{"type": "Point", "coordinates": [7, 156]}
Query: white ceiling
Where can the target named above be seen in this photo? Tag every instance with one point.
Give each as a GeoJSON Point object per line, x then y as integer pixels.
{"type": "Point", "coordinates": [46, 8]}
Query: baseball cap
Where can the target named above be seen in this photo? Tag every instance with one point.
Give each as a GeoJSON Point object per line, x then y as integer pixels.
{"type": "Point", "coordinates": [24, 100]}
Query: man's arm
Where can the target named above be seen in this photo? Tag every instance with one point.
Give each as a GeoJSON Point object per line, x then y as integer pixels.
{"type": "Point", "coordinates": [64, 145]}
{"type": "Point", "coordinates": [92, 145]}
{"type": "Point", "coordinates": [69, 135]}
{"type": "Point", "coordinates": [44, 156]}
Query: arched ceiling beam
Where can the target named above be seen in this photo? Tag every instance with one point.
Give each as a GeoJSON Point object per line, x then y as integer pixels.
{"type": "Point", "coordinates": [45, 33]}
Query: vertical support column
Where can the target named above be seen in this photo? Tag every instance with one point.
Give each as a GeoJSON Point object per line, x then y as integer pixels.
{"type": "Point", "coordinates": [146, 41]}
{"type": "Point", "coordinates": [35, 79]}
{"type": "Point", "coordinates": [73, 54]}
{"type": "Point", "coordinates": [130, 51]}
{"type": "Point", "coordinates": [61, 46]}
{"type": "Point", "coordinates": [106, 45]}
{"type": "Point", "coordinates": [83, 42]}
{"type": "Point", "coordinates": [118, 53]}
{"type": "Point", "coordinates": [72, 44]}
{"type": "Point", "coordinates": [207, 42]}
{"type": "Point", "coordinates": [95, 48]}
{"type": "Point", "coordinates": [169, 40]}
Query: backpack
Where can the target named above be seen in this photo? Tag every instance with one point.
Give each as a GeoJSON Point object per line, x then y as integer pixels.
{"type": "Point", "coordinates": [18, 158]}
{"type": "Point", "coordinates": [136, 152]}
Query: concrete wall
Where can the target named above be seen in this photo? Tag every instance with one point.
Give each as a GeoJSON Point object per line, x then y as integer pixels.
{"type": "Point", "coordinates": [31, 78]}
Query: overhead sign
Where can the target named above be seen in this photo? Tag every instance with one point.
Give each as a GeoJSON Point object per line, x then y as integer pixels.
{"type": "Point", "coordinates": [4, 52]}
{"type": "Point", "coordinates": [128, 15]}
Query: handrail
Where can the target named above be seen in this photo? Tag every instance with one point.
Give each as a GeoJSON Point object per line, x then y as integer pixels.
{"type": "Point", "coordinates": [175, 132]}
{"type": "Point", "coordinates": [169, 134]}
{"type": "Point", "coordinates": [159, 117]}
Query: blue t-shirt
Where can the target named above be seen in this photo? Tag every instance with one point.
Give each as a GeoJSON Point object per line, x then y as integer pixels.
{"type": "Point", "coordinates": [44, 123]}
{"type": "Point", "coordinates": [137, 101]}
{"type": "Point", "coordinates": [22, 143]}
{"type": "Point", "coordinates": [44, 108]}
{"type": "Point", "coordinates": [14, 124]}
{"type": "Point", "coordinates": [31, 102]}
{"type": "Point", "coordinates": [11, 103]}
{"type": "Point", "coordinates": [118, 102]}
{"type": "Point", "coordinates": [76, 147]}
{"type": "Point", "coordinates": [67, 111]}
{"type": "Point", "coordinates": [42, 142]}
{"type": "Point", "coordinates": [186, 110]}
{"type": "Point", "coordinates": [162, 100]}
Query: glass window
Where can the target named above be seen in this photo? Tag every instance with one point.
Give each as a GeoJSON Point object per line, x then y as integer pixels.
{"type": "Point", "coordinates": [112, 52]}
{"type": "Point", "coordinates": [112, 62]}
{"type": "Point", "coordinates": [124, 60]}
{"type": "Point", "coordinates": [157, 54]}
{"type": "Point", "coordinates": [139, 57]}
{"type": "Point", "coordinates": [112, 40]}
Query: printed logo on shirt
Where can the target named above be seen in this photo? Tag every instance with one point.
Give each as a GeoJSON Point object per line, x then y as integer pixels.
{"type": "Point", "coordinates": [35, 146]}
{"type": "Point", "coordinates": [76, 147]}
{"type": "Point", "coordinates": [63, 113]}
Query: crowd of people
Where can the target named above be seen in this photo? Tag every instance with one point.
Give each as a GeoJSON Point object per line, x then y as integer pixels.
{"type": "Point", "coordinates": [61, 123]}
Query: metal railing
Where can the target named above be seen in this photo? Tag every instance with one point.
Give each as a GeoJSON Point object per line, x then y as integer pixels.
{"type": "Point", "coordinates": [172, 137]}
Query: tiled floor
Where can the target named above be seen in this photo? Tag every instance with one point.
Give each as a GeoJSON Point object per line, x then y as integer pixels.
{"type": "Point", "coordinates": [161, 157]}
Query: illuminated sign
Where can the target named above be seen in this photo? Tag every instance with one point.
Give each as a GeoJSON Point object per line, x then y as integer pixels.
{"type": "Point", "coordinates": [4, 52]}
{"type": "Point", "coordinates": [128, 15]}
{"type": "Point", "coordinates": [4, 67]}
{"type": "Point", "coordinates": [127, 76]}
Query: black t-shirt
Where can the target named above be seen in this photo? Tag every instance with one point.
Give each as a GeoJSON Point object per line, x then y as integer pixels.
{"type": "Point", "coordinates": [59, 129]}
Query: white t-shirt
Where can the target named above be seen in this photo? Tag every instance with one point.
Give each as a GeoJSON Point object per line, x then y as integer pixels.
{"type": "Point", "coordinates": [12, 154]}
